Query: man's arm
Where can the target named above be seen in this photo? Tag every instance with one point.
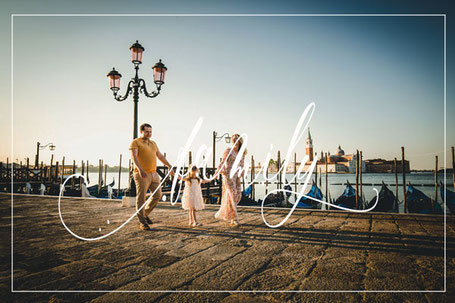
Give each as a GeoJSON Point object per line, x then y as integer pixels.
{"type": "Point", "coordinates": [136, 163]}
{"type": "Point", "coordinates": [160, 156]}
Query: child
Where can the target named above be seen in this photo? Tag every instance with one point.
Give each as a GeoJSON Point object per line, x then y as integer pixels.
{"type": "Point", "coordinates": [192, 195]}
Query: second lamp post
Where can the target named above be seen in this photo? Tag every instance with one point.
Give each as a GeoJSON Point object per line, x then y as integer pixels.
{"type": "Point", "coordinates": [216, 139]}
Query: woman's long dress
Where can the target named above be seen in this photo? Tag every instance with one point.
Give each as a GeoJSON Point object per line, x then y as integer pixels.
{"type": "Point", "coordinates": [231, 187]}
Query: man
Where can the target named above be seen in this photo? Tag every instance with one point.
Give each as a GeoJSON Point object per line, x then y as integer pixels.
{"type": "Point", "coordinates": [144, 153]}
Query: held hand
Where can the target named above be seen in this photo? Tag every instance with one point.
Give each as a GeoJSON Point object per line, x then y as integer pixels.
{"type": "Point", "coordinates": [142, 173]}
{"type": "Point", "coordinates": [172, 171]}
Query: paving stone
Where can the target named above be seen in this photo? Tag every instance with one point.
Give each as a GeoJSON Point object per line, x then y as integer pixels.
{"type": "Point", "coordinates": [313, 251]}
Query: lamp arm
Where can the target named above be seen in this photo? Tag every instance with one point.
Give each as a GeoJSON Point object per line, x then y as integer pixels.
{"type": "Point", "coordinates": [128, 91]}
{"type": "Point", "coordinates": [43, 147]}
{"type": "Point", "coordinates": [143, 89]}
{"type": "Point", "coordinates": [221, 137]}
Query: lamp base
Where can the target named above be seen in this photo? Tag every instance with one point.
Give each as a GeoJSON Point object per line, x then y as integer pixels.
{"type": "Point", "coordinates": [128, 201]}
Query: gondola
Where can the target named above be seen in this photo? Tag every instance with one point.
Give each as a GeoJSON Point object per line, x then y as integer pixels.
{"type": "Point", "coordinates": [386, 201]}
{"type": "Point", "coordinates": [288, 189]}
{"type": "Point", "coordinates": [450, 199]}
{"type": "Point", "coordinates": [418, 202]}
{"type": "Point", "coordinates": [247, 197]}
{"type": "Point", "coordinates": [305, 202]}
{"type": "Point", "coordinates": [248, 192]}
{"type": "Point", "coordinates": [93, 190]}
{"type": "Point", "coordinates": [274, 199]}
{"type": "Point", "coordinates": [347, 199]}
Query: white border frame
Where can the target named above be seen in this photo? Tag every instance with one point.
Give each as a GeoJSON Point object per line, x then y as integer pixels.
{"type": "Point", "coordinates": [234, 15]}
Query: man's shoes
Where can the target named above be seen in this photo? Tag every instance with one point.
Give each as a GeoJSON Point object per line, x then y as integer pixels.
{"type": "Point", "coordinates": [147, 219]}
{"type": "Point", "coordinates": [144, 226]}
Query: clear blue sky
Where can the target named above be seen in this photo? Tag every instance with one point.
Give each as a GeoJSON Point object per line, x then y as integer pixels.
{"type": "Point", "coordinates": [377, 81]}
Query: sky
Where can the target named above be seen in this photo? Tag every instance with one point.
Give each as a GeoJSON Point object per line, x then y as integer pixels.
{"type": "Point", "coordinates": [377, 82]}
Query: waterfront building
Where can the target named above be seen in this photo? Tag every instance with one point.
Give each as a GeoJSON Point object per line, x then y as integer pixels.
{"type": "Point", "coordinates": [339, 162]}
{"type": "Point", "coordinates": [386, 166]}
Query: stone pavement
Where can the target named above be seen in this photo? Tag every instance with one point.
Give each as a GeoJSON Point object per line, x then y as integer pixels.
{"type": "Point", "coordinates": [313, 251]}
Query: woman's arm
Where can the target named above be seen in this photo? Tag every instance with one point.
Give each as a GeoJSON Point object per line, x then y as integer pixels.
{"type": "Point", "coordinates": [222, 166]}
{"type": "Point", "coordinates": [242, 165]}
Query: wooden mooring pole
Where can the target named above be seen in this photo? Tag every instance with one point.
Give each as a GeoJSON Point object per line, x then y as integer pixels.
{"type": "Point", "coordinates": [360, 176]}
{"type": "Point", "coordinates": [119, 173]}
{"type": "Point", "coordinates": [8, 170]}
{"type": "Point", "coordinates": [105, 174]}
{"type": "Point", "coordinates": [27, 171]}
{"type": "Point", "coordinates": [435, 182]}
{"type": "Point", "coordinates": [56, 173]}
{"type": "Point", "coordinates": [320, 178]}
{"type": "Point", "coordinates": [295, 172]}
{"type": "Point", "coordinates": [403, 168]}
{"type": "Point", "coordinates": [63, 170]}
{"type": "Point", "coordinates": [100, 175]}
{"type": "Point", "coordinates": [50, 168]}
{"type": "Point", "coordinates": [357, 180]}
{"type": "Point", "coordinates": [253, 189]}
{"type": "Point", "coordinates": [395, 168]}
{"type": "Point", "coordinates": [73, 172]}
{"type": "Point", "coordinates": [88, 168]}
{"type": "Point", "coordinates": [42, 172]}
{"type": "Point", "coordinates": [453, 169]}
{"type": "Point", "coordinates": [81, 180]}
{"type": "Point", "coordinates": [279, 168]}
{"type": "Point", "coordinates": [326, 179]}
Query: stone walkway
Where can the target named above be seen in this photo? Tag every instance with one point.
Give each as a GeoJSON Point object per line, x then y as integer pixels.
{"type": "Point", "coordinates": [314, 250]}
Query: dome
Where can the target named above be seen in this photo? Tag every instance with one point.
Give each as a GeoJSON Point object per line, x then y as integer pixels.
{"type": "Point", "coordinates": [340, 152]}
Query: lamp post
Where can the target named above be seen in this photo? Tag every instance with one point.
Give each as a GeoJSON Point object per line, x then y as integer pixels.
{"type": "Point", "coordinates": [136, 86]}
{"type": "Point", "coordinates": [39, 147]}
{"type": "Point", "coordinates": [216, 139]}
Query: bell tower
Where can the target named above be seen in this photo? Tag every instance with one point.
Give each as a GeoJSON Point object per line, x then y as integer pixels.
{"type": "Point", "coordinates": [309, 147]}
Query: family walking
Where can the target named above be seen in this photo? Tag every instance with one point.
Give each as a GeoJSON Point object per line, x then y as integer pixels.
{"type": "Point", "coordinates": [144, 153]}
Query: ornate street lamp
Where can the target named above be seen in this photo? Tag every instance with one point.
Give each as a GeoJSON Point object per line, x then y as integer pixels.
{"type": "Point", "coordinates": [136, 53]}
{"type": "Point", "coordinates": [159, 72]}
{"type": "Point", "coordinates": [114, 80]}
{"type": "Point", "coordinates": [227, 138]}
{"type": "Point", "coordinates": [135, 86]}
{"type": "Point", "coordinates": [39, 147]}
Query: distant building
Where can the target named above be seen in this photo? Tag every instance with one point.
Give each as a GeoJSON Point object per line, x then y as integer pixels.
{"type": "Point", "coordinates": [309, 147]}
{"type": "Point", "coordinates": [338, 162]}
{"type": "Point", "coordinates": [386, 166]}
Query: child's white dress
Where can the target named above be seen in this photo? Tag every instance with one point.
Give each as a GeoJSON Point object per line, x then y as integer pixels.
{"type": "Point", "coordinates": [192, 195]}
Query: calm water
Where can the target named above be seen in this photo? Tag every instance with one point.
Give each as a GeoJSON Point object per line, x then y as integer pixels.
{"type": "Point", "coordinates": [417, 179]}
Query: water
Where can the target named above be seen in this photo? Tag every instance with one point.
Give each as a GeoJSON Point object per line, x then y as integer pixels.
{"type": "Point", "coordinates": [416, 179]}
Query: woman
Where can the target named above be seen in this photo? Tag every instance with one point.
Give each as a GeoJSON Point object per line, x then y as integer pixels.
{"type": "Point", "coordinates": [231, 187]}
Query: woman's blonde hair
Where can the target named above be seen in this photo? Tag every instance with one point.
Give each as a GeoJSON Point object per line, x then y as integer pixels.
{"type": "Point", "coordinates": [240, 139]}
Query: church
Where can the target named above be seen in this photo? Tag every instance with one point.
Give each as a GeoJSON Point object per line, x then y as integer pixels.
{"type": "Point", "coordinates": [336, 163]}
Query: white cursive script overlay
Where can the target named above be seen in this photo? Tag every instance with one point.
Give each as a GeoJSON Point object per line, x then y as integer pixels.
{"type": "Point", "coordinates": [204, 153]}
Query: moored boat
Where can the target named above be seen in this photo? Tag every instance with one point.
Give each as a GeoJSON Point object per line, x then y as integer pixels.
{"type": "Point", "coordinates": [307, 202]}
{"type": "Point", "coordinates": [386, 201]}
{"type": "Point", "coordinates": [418, 202]}
{"type": "Point", "coordinates": [347, 199]}
{"type": "Point", "coordinates": [450, 199]}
